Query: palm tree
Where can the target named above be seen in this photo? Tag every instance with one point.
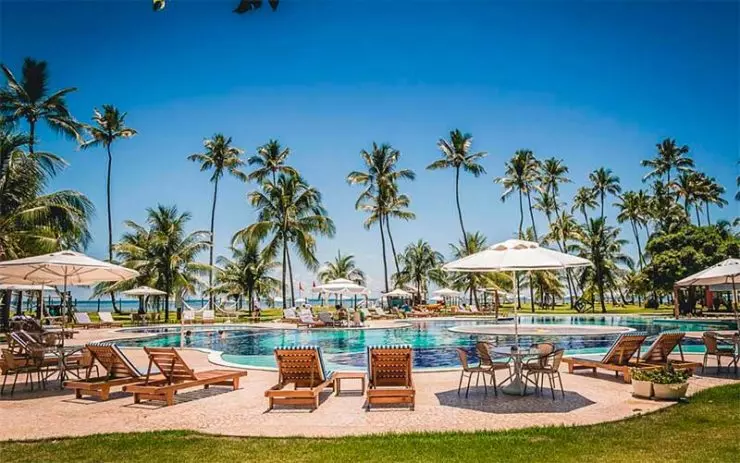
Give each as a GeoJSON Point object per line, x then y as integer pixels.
{"type": "Point", "coordinates": [29, 99]}
{"type": "Point", "coordinates": [583, 200]}
{"type": "Point", "coordinates": [417, 261]}
{"type": "Point", "coordinates": [247, 272]}
{"type": "Point", "coordinates": [270, 161]}
{"type": "Point", "coordinates": [469, 282]}
{"type": "Point", "coordinates": [289, 211]}
{"type": "Point", "coordinates": [710, 192]}
{"type": "Point", "coordinates": [343, 266]}
{"type": "Point", "coordinates": [665, 212]}
{"type": "Point", "coordinates": [546, 203]}
{"type": "Point", "coordinates": [163, 252]}
{"type": "Point", "coordinates": [396, 206]}
{"type": "Point", "coordinates": [220, 157]}
{"type": "Point", "coordinates": [630, 210]}
{"type": "Point", "coordinates": [380, 196]}
{"type": "Point", "coordinates": [669, 157]}
{"type": "Point", "coordinates": [456, 155]}
{"type": "Point", "coordinates": [600, 244]}
{"type": "Point", "coordinates": [603, 183]}
{"type": "Point", "coordinates": [520, 176]}
{"type": "Point", "coordinates": [688, 186]}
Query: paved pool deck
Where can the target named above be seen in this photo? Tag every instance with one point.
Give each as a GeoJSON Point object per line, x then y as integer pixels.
{"type": "Point", "coordinates": [588, 400]}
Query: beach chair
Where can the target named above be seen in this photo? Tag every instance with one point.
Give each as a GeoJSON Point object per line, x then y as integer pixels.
{"type": "Point", "coordinates": [326, 318]}
{"type": "Point", "coordinates": [289, 315]}
{"type": "Point", "coordinates": [208, 317]}
{"type": "Point", "coordinates": [305, 318]}
{"type": "Point", "coordinates": [383, 314]}
{"type": "Point", "coordinates": [389, 373]}
{"type": "Point", "coordinates": [188, 317]}
{"type": "Point", "coordinates": [106, 319]}
{"type": "Point", "coordinates": [119, 371]}
{"type": "Point", "coordinates": [303, 367]}
{"type": "Point", "coordinates": [718, 346]}
{"type": "Point", "coordinates": [616, 360]}
{"type": "Point", "coordinates": [177, 375]}
{"type": "Point", "coordinates": [368, 316]}
{"type": "Point", "coordinates": [661, 348]}
{"type": "Point", "coordinates": [82, 319]}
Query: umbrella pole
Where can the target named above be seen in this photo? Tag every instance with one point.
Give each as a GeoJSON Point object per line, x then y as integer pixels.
{"type": "Point", "coordinates": [734, 304]}
{"type": "Point", "coordinates": [515, 280]}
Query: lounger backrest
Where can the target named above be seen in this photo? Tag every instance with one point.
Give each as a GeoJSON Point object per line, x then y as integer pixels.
{"type": "Point", "coordinates": [188, 315]}
{"type": "Point", "coordinates": [474, 309]}
{"type": "Point", "coordinates": [710, 341]}
{"type": "Point", "coordinates": [302, 365]}
{"type": "Point", "coordinates": [209, 315]}
{"type": "Point", "coordinates": [113, 360]}
{"type": "Point", "coordinates": [170, 364]}
{"type": "Point", "coordinates": [326, 317]}
{"type": "Point", "coordinates": [624, 348]}
{"type": "Point", "coordinates": [82, 318]}
{"type": "Point", "coordinates": [106, 317]}
{"type": "Point", "coordinates": [289, 313]}
{"type": "Point", "coordinates": [307, 318]}
{"type": "Point", "coordinates": [662, 347]}
{"type": "Point", "coordinates": [389, 366]}
{"type": "Point", "coordinates": [380, 312]}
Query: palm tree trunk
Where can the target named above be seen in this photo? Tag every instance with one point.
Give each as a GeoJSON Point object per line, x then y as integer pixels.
{"type": "Point", "coordinates": [393, 247]}
{"type": "Point", "coordinates": [698, 219]}
{"type": "Point", "coordinates": [706, 205]}
{"type": "Point", "coordinates": [31, 134]}
{"type": "Point", "coordinates": [210, 250]}
{"type": "Point", "coordinates": [531, 216]}
{"type": "Point", "coordinates": [385, 262]}
{"type": "Point", "coordinates": [285, 251]}
{"type": "Point", "coordinates": [637, 241]}
{"type": "Point", "coordinates": [521, 215]}
{"type": "Point", "coordinates": [600, 284]}
{"type": "Point", "coordinates": [602, 205]}
{"type": "Point", "coordinates": [459, 210]}
{"type": "Point", "coordinates": [290, 276]}
{"type": "Point", "coordinates": [585, 216]}
{"type": "Point", "coordinates": [531, 292]}
{"type": "Point", "coordinates": [110, 220]}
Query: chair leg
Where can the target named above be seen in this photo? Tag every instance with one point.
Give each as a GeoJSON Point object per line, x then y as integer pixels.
{"type": "Point", "coordinates": [485, 387]}
{"type": "Point", "coordinates": [467, 390]}
{"type": "Point", "coordinates": [459, 386]}
{"type": "Point", "coordinates": [15, 379]}
{"type": "Point", "coordinates": [562, 389]}
{"type": "Point", "coordinates": [552, 385]}
{"type": "Point", "coordinates": [5, 379]}
{"type": "Point", "coordinates": [493, 380]}
{"type": "Point", "coordinates": [704, 364]}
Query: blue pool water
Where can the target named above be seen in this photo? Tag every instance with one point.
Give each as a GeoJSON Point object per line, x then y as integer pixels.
{"type": "Point", "coordinates": [434, 344]}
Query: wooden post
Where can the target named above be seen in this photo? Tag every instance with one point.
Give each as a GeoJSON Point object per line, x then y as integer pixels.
{"type": "Point", "coordinates": [675, 302]}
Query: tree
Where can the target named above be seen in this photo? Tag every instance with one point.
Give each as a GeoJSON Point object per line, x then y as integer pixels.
{"type": "Point", "coordinates": [417, 261]}
{"type": "Point", "coordinates": [603, 183]}
{"type": "Point", "coordinates": [665, 212]}
{"type": "Point", "coordinates": [343, 266]}
{"type": "Point", "coordinates": [520, 176]}
{"type": "Point", "coordinates": [288, 211]}
{"type": "Point", "coordinates": [163, 253]}
{"type": "Point", "coordinates": [688, 186]}
{"type": "Point", "coordinates": [669, 156]}
{"type": "Point", "coordinates": [600, 244]}
{"type": "Point", "coordinates": [396, 206]}
{"type": "Point", "coordinates": [456, 155]}
{"type": "Point", "coordinates": [380, 197]}
{"type": "Point", "coordinates": [710, 192]}
{"type": "Point", "coordinates": [30, 100]}
{"type": "Point", "coordinates": [220, 157]}
{"type": "Point", "coordinates": [583, 200]}
{"type": "Point", "coordinates": [270, 161]}
{"type": "Point", "coordinates": [630, 210]}
{"type": "Point", "coordinates": [246, 272]}
{"type": "Point", "coordinates": [470, 282]}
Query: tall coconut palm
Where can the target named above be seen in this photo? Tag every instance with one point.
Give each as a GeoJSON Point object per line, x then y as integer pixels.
{"type": "Point", "coordinates": [396, 207]}
{"type": "Point", "coordinates": [12, 143]}
{"type": "Point", "coordinates": [553, 173]}
{"type": "Point", "coordinates": [603, 183]}
{"type": "Point", "coordinates": [688, 186]}
{"type": "Point", "coordinates": [30, 100]}
{"type": "Point", "coordinates": [380, 196]}
{"type": "Point", "coordinates": [520, 176]}
{"type": "Point", "coordinates": [288, 212]}
{"type": "Point", "coordinates": [246, 272]}
{"type": "Point", "coordinates": [630, 210]}
{"type": "Point", "coordinates": [417, 261]}
{"type": "Point", "coordinates": [583, 200]}
{"type": "Point", "coordinates": [456, 155]}
{"type": "Point", "coordinates": [270, 160]}
{"type": "Point", "coordinates": [669, 156]}
{"type": "Point", "coordinates": [343, 266]}
{"type": "Point", "coordinates": [710, 192]}
{"type": "Point", "coordinates": [665, 212]}
{"type": "Point", "coordinates": [220, 157]}
{"type": "Point", "coordinates": [469, 282]}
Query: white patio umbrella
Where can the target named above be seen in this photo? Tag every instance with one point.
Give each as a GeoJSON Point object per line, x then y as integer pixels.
{"type": "Point", "coordinates": [724, 272]}
{"type": "Point", "coordinates": [339, 286]}
{"type": "Point", "coordinates": [514, 256]}
{"type": "Point", "coordinates": [63, 268]}
{"type": "Point", "coordinates": [144, 291]}
{"type": "Point", "coordinates": [445, 292]}
{"type": "Point", "coordinates": [24, 287]}
{"type": "Point", "coordinates": [397, 293]}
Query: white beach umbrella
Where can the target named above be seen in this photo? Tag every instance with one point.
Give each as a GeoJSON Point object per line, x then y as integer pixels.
{"type": "Point", "coordinates": [24, 287]}
{"type": "Point", "coordinates": [340, 286]}
{"type": "Point", "coordinates": [397, 293]}
{"type": "Point", "coordinates": [724, 272]}
{"type": "Point", "coordinates": [144, 291]}
{"type": "Point", "coordinates": [445, 292]}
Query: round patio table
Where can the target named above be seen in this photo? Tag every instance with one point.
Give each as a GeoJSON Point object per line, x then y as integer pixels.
{"type": "Point", "coordinates": [516, 384]}
{"type": "Point", "coordinates": [63, 353]}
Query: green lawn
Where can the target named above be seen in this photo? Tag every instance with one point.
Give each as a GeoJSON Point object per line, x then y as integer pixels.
{"type": "Point", "coordinates": [704, 430]}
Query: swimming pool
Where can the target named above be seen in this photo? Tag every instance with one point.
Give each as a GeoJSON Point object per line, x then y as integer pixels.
{"type": "Point", "coordinates": [433, 342]}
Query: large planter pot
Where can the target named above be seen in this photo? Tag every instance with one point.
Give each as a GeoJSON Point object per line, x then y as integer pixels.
{"type": "Point", "coordinates": [642, 389]}
{"type": "Point", "coordinates": [670, 391]}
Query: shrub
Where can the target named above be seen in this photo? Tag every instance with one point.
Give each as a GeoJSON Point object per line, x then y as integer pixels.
{"type": "Point", "coordinates": [665, 375]}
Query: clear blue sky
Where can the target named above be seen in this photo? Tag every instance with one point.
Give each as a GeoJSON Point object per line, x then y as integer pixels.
{"type": "Point", "coordinates": [597, 84]}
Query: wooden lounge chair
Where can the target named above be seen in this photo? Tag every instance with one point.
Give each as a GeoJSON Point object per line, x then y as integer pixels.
{"type": "Point", "coordinates": [208, 317]}
{"type": "Point", "coordinates": [719, 346]}
{"type": "Point", "coordinates": [326, 318]}
{"type": "Point", "coordinates": [662, 347]}
{"type": "Point", "coordinates": [289, 315]}
{"type": "Point", "coordinates": [119, 371]}
{"type": "Point", "coordinates": [82, 319]}
{"type": "Point", "coordinates": [106, 319]}
{"type": "Point", "coordinates": [383, 314]}
{"type": "Point", "coordinates": [304, 368]}
{"type": "Point", "coordinates": [389, 373]}
{"type": "Point", "coordinates": [306, 319]}
{"type": "Point", "coordinates": [188, 317]}
{"type": "Point", "coordinates": [616, 360]}
{"type": "Point", "coordinates": [177, 375]}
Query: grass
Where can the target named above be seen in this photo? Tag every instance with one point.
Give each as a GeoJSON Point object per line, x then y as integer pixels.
{"type": "Point", "coordinates": [705, 429]}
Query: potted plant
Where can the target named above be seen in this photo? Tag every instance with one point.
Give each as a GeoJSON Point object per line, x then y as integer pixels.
{"type": "Point", "coordinates": [669, 383]}
{"type": "Point", "coordinates": [642, 385]}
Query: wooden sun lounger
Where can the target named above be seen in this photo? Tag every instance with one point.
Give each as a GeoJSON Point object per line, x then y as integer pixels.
{"type": "Point", "coordinates": [119, 372]}
{"type": "Point", "coordinates": [616, 360]}
{"type": "Point", "coordinates": [106, 319]}
{"type": "Point", "coordinates": [659, 352]}
{"type": "Point", "coordinates": [177, 375]}
{"type": "Point", "coordinates": [304, 368]}
{"type": "Point", "coordinates": [389, 374]}
{"type": "Point", "coordinates": [82, 319]}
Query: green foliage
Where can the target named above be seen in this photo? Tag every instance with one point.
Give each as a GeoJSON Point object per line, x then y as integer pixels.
{"type": "Point", "coordinates": [688, 250]}
{"type": "Point", "coordinates": [665, 375]}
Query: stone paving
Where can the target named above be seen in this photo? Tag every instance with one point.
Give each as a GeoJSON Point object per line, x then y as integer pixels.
{"type": "Point", "coordinates": [55, 413]}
